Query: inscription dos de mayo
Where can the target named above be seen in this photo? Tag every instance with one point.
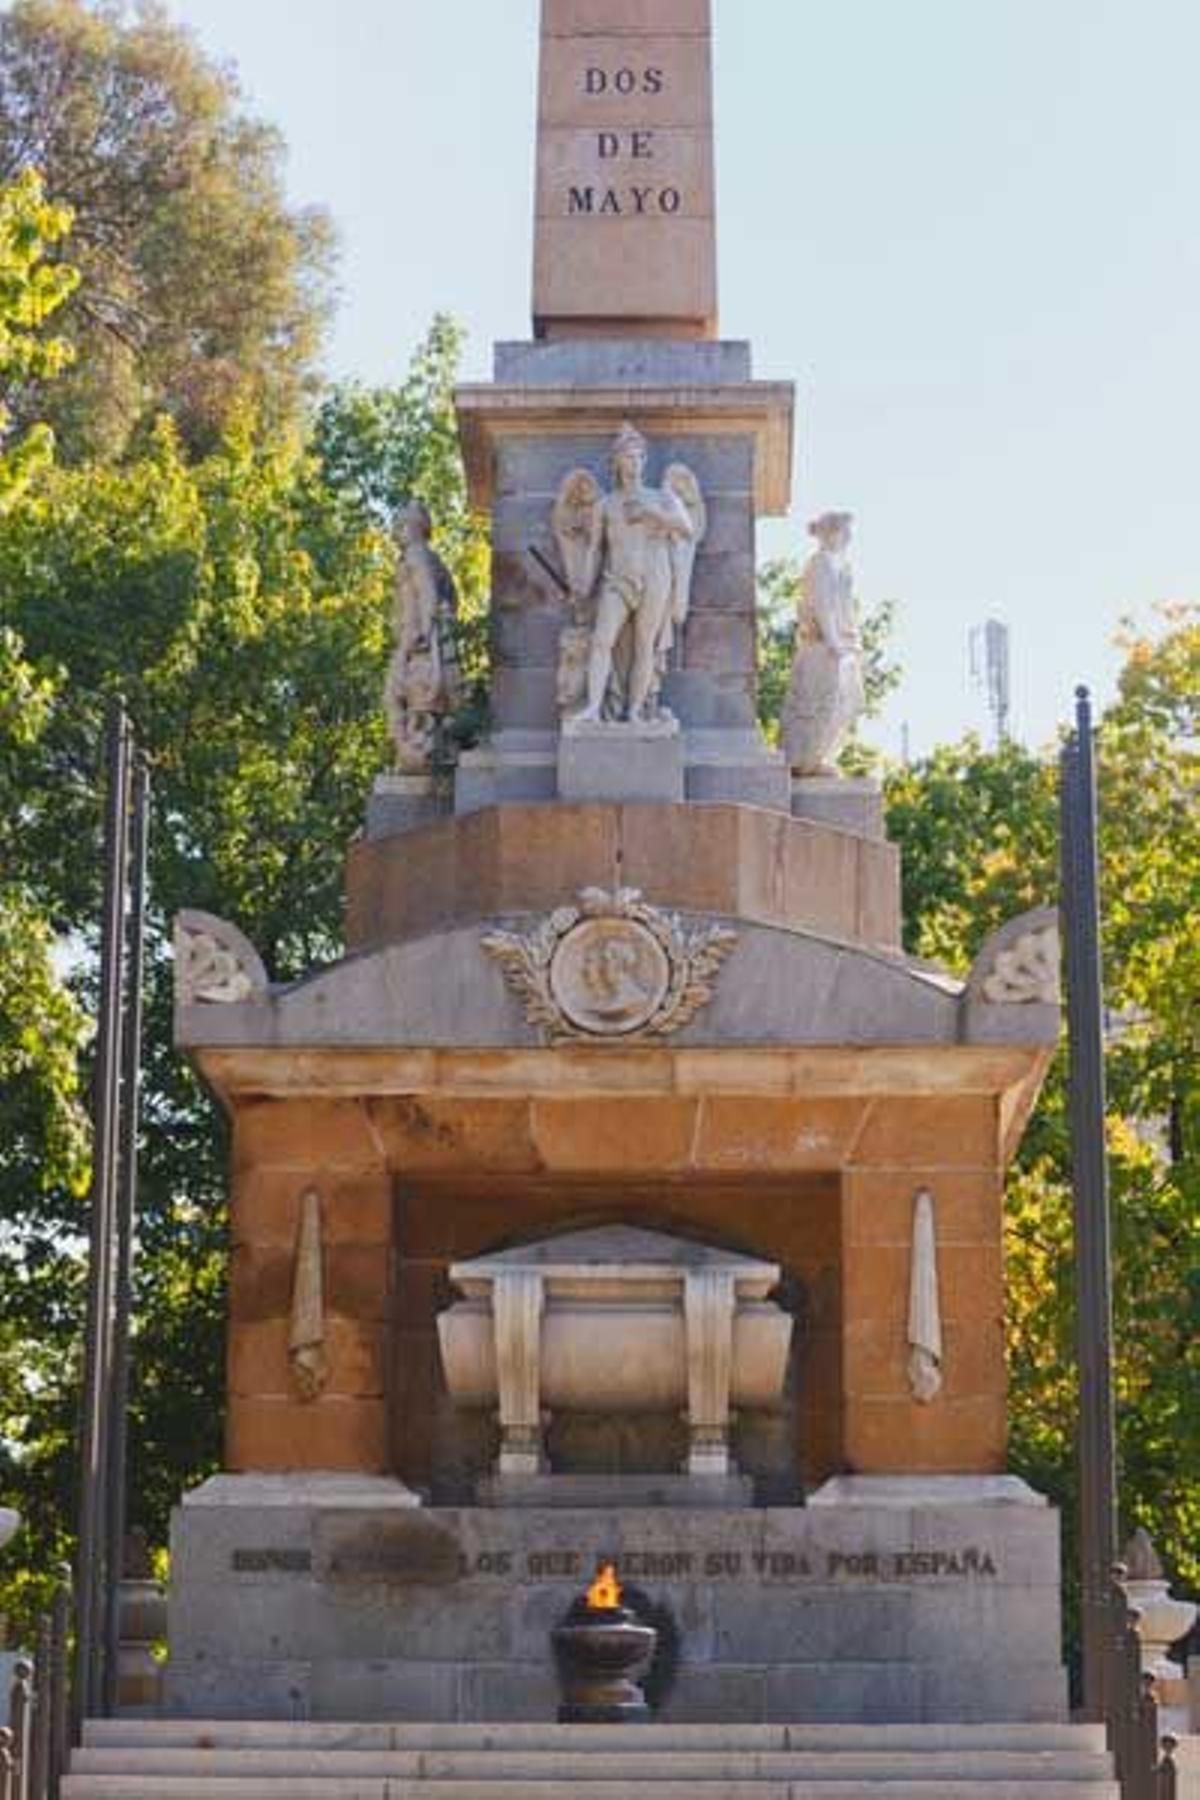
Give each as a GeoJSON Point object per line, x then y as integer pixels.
{"type": "Point", "coordinates": [619, 191]}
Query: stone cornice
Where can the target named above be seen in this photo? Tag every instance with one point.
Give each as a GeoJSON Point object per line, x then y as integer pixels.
{"type": "Point", "coordinates": [764, 410]}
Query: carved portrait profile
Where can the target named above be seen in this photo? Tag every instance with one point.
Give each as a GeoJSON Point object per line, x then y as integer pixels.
{"type": "Point", "coordinates": [612, 967]}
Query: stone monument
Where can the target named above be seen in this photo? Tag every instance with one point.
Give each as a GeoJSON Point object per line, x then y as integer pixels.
{"type": "Point", "coordinates": [625, 1194]}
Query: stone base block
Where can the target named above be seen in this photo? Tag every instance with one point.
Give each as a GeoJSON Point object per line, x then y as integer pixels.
{"type": "Point", "coordinates": [921, 1491]}
{"type": "Point", "coordinates": [641, 1491]}
{"type": "Point", "coordinates": [514, 766]}
{"type": "Point", "coordinates": [736, 766]}
{"type": "Point", "coordinates": [855, 806]}
{"type": "Point", "coordinates": [935, 1611]}
{"type": "Point", "coordinates": [400, 802]}
{"type": "Point", "coordinates": [620, 762]}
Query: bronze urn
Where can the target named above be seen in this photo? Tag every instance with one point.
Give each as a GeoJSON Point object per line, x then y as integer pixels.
{"type": "Point", "coordinates": [602, 1650]}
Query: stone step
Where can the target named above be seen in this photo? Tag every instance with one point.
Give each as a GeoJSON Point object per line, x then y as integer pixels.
{"type": "Point", "coordinates": [126, 1759]}
{"type": "Point", "coordinates": [179, 1759]}
{"type": "Point", "coordinates": [277, 1734]}
{"type": "Point", "coordinates": [198, 1787]}
{"type": "Point", "coordinates": [648, 1764]}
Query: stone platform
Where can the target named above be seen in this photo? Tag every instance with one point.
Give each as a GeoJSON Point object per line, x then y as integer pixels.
{"type": "Point", "coordinates": [261, 1761]}
{"type": "Point", "coordinates": [886, 1613]}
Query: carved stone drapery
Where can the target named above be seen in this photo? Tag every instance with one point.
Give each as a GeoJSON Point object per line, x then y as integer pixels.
{"type": "Point", "coordinates": [925, 1354]}
{"type": "Point", "coordinates": [306, 1337]}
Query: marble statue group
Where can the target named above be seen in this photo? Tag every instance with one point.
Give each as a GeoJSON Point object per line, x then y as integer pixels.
{"type": "Point", "coordinates": [631, 552]}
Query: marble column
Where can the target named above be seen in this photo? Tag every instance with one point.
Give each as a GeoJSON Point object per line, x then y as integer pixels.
{"type": "Point", "coordinates": [518, 1299]}
{"type": "Point", "coordinates": [709, 1301]}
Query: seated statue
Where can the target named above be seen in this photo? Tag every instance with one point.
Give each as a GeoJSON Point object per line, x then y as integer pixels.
{"type": "Point", "coordinates": [826, 696]}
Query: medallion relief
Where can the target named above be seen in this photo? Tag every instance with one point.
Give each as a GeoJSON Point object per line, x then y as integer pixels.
{"type": "Point", "coordinates": [611, 967]}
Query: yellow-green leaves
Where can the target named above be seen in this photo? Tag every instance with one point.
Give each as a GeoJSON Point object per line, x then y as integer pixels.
{"type": "Point", "coordinates": [31, 290]}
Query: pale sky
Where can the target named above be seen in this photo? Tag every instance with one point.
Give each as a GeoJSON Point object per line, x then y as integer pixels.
{"type": "Point", "coordinates": [968, 230]}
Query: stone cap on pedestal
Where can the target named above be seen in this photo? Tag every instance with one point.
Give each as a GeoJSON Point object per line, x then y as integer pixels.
{"type": "Point", "coordinates": [763, 411]}
{"type": "Point", "coordinates": [624, 1254]}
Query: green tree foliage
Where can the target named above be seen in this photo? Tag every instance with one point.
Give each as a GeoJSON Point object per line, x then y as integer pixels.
{"type": "Point", "coordinates": [979, 835]}
{"type": "Point", "coordinates": [201, 288]}
{"type": "Point", "coordinates": [241, 603]}
{"type": "Point", "coordinates": [31, 291]}
{"type": "Point", "coordinates": [43, 1149]}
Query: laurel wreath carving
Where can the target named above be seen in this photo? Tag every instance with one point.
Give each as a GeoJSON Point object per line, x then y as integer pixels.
{"type": "Point", "coordinates": [694, 956]}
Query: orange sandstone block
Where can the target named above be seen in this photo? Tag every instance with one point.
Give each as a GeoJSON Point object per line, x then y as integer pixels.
{"type": "Point", "coordinates": [259, 1367]}
{"type": "Point", "coordinates": [875, 1360]}
{"type": "Point", "coordinates": [430, 1135]}
{"type": "Point", "coordinates": [952, 1437]}
{"type": "Point", "coordinates": [929, 1132]}
{"type": "Point", "coordinates": [281, 1436]}
{"type": "Point", "coordinates": [260, 1283]}
{"type": "Point", "coordinates": [776, 1134]}
{"type": "Point", "coordinates": [358, 1281]}
{"type": "Point", "coordinates": [875, 1283]}
{"type": "Point", "coordinates": [878, 1205]}
{"type": "Point", "coordinates": [314, 1136]}
{"type": "Point", "coordinates": [355, 1208]}
{"type": "Point", "coordinates": [604, 1136]}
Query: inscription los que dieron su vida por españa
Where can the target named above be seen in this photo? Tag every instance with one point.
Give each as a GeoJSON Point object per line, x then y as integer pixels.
{"type": "Point", "coordinates": [649, 1565]}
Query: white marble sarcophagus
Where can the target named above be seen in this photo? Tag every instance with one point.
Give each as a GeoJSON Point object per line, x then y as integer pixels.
{"type": "Point", "coordinates": [615, 1320]}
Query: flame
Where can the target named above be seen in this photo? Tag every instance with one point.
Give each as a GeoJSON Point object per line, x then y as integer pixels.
{"type": "Point", "coordinates": [604, 1595]}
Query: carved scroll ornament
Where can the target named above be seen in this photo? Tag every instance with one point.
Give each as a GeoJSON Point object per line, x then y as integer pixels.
{"type": "Point", "coordinates": [214, 963]}
{"type": "Point", "coordinates": [1026, 971]}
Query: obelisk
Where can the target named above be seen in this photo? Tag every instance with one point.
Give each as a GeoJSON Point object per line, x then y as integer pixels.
{"type": "Point", "coordinates": [625, 231]}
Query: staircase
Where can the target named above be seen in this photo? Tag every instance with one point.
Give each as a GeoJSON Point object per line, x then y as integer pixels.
{"type": "Point", "coordinates": [188, 1760]}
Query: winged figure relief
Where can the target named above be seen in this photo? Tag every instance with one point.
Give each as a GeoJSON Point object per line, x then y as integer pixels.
{"type": "Point", "coordinates": [680, 481]}
{"type": "Point", "coordinates": [578, 523]}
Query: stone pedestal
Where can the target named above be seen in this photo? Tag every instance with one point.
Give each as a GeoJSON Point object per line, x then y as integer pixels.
{"type": "Point", "coordinates": [400, 802]}
{"type": "Point", "coordinates": [942, 1610]}
{"type": "Point", "coordinates": [557, 407]}
{"type": "Point", "coordinates": [849, 805]}
{"type": "Point", "coordinates": [640, 762]}
{"type": "Point", "coordinates": [637, 1492]}
{"type": "Point", "coordinates": [511, 768]}
{"type": "Point", "coordinates": [735, 766]}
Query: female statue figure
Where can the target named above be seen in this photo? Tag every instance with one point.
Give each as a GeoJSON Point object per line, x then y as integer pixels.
{"type": "Point", "coordinates": [826, 696]}
{"type": "Point", "coordinates": [423, 681]}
